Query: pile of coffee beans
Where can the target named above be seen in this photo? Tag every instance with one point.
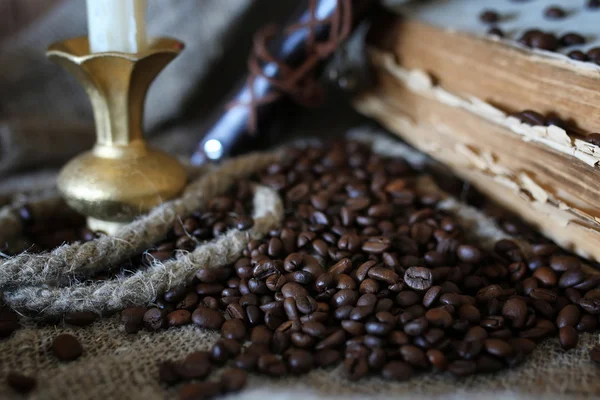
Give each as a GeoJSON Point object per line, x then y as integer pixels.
{"type": "Point", "coordinates": [233, 209]}
{"type": "Point", "coordinates": [538, 39]}
{"type": "Point", "coordinates": [366, 271]}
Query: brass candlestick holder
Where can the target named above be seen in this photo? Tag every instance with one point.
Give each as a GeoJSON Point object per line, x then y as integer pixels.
{"type": "Point", "coordinates": [121, 177]}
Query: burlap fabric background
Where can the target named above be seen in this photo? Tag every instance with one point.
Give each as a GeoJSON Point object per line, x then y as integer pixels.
{"type": "Point", "coordinates": [116, 365]}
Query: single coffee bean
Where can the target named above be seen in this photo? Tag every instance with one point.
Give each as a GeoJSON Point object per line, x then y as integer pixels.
{"type": "Point", "coordinates": [168, 373]}
{"type": "Point", "coordinates": [568, 316]}
{"type": "Point", "coordinates": [292, 289]}
{"type": "Point", "coordinates": [195, 366]}
{"type": "Point", "coordinates": [462, 367]}
{"type": "Point", "coordinates": [591, 306]}
{"type": "Point", "coordinates": [299, 361]}
{"type": "Point", "coordinates": [568, 337]}
{"type": "Point", "coordinates": [571, 39]}
{"type": "Point", "coordinates": [497, 347]}
{"type": "Point", "coordinates": [418, 278]}
{"type": "Point", "coordinates": [469, 254]}
{"type": "Point", "coordinates": [154, 319]}
{"type": "Point", "coordinates": [397, 371]}
{"type": "Point", "coordinates": [80, 318]}
{"type": "Point", "coordinates": [555, 12]}
{"type": "Point", "coordinates": [208, 318]}
{"type": "Point", "coordinates": [179, 318]}
{"type": "Point", "coordinates": [564, 263]}
{"type": "Point", "coordinates": [578, 55]}
{"type": "Point", "coordinates": [234, 380]}
{"type": "Point", "coordinates": [414, 356]}
{"type": "Point", "coordinates": [66, 347]}
{"type": "Point", "coordinates": [200, 390]}
{"type": "Point", "coordinates": [587, 323]}
{"type": "Point", "coordinates": [271, 365]}
{"type": "Point", "coordinates": [327, 357]}
{"type": "Point", "coordinates": [515, 310]}
{"type": "Point", "coordinates": [233, 329]}
{"type": "Point", "coordinates": [22, 384]}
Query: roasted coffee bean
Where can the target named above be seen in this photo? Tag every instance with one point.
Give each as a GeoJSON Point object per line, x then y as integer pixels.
{"type": "Point", "coordinates": [515, 310]}
{"type": "Point", "coordinates": [233, 329]}
{"type": "Point", "coordinates": [66, 347]}
{"type": "Point", "coordinates": [299, 361]}
{"type": "Point", "coordinates": [469, 350]}
{"type": "Point", "coordinates": [22, 384]}
{"type": "Point", "coordinates": [591, 306]}
{"type": "Point", "coordinates": [414, 356]}
{"type": "Point", "coordinates": [564, 263]}
{"type": "Point", "coordinates": [568, 337]}
{"type": "Point", "coordinates": [571, 39]}
{"type": "Point", "coordinates": [568, 316]}
{"type": "Point", "coordinates": [578, 55]}
{"type": "Point", "coordinates": [168, 372]}
{"type": "Point", "coordinates": [429, 299]}
{"type": "Point", "coordinates": [497, 347]}
{"type": "Point", "coordinates": [80, 318]}
{"type": "Point", "coordinates": [544, 294]}
{"type": "Point", "coordinates": [555, 12]}
{"type": "Point", "coordinates": [208, 318]}
{"type": "Point", "coordinates": [587, 323]}
{"type": "Point", "coordinates": [418, 278]}
{"type": "Point", "coordinates": [489, 16]}
{"type": "Point", "coordinates": [462, 367]}
{"type": "Point", "coordinates": [292, 289]}
{"type": "Point", "coordinates": [531, 117]}
{"type": "Point", "coordinates": [327, 357]}
{"type": "Point", "coordinates": [439, 317]}
{"type": "Point", "coordinates": [224, 349]}
{"type": "Point", "coordinates": [397, 371]}
{"type": "Point", "coordinates": [571, 278]}
{"type": "Point", "coordinates": [593, 4]}
{"type": "Point", "coordinates": [179, 318]}
{"type": "Point", "coordinates": [233, 380]}
{"type": "Point", "coordinates": [345, 297]}
{"type": "Point", "coordinates": [154, 319]}
{"type": "Point", "coordinates": [200, 390]}
{"type": "Point", "coordinates": [376, 245]}
{"type": "Point", "coordinates": [383, 274]}
{"type": "Point", "coordinates": [272, 365]}
{"type": "Point", "coordinates": [195, 366]}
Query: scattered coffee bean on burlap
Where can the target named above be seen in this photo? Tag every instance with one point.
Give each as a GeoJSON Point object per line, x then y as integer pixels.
{"type": "Point", "coordinates": [66, 347]}
{"type": "Point", "coordinates": [21, 383]}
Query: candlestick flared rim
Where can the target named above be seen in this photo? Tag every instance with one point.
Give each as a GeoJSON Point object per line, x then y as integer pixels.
{"type": "Point", "coordinates": [78, 49]}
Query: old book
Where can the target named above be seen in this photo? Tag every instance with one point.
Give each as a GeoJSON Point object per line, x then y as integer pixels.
{"type": "Point", "coordinates": [451, 90]}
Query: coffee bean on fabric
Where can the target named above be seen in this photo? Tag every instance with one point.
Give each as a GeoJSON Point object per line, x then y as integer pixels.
{"type": "Point", "coordinates": [22, 384]}
{"type": "Point", "coordinates": [66, 347]}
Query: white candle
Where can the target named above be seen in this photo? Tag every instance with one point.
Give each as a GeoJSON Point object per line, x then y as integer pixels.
{"type": "Point", "coordinates": [117, 25]}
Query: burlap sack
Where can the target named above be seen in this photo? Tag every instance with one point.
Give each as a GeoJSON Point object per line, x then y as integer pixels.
{"type": "Point", "coordinates": [120, 366]}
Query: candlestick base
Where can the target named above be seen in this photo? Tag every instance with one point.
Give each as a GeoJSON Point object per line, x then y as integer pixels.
{"type": "Point", "coordinates": [121, 177]}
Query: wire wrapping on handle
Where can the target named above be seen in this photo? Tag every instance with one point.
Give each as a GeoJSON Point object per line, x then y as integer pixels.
{"type": "Point", "coordinates": [299, 83]}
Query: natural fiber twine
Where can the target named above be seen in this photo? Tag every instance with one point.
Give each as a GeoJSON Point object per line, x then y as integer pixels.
{"type": "Point", "coordinates": [120, 366]}
{"type": "Point", "coordinates": [77, 261]}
